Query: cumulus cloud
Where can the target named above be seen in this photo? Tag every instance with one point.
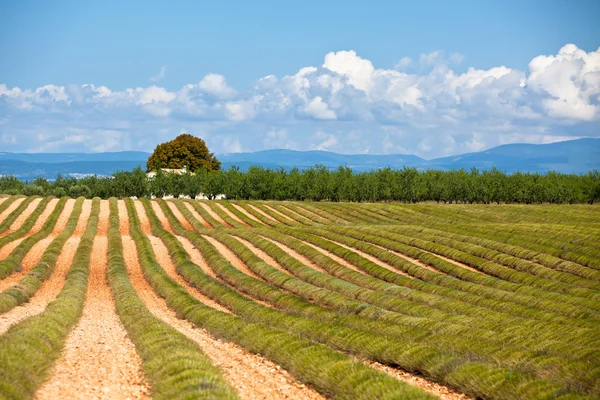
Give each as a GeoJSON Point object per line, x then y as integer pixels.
{"type": "Point", "coordinates": [346, 105]}
{"type": "Point", "coordinates": [216, 85]}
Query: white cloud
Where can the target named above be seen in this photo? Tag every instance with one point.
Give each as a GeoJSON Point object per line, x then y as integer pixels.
{"type": "Point", "coordinates": [403, 63]}
{"type": "Point", "coordinates": [161, 74]}
{"type": "Point", "coordinates": [439, 111]}
{"type": "Point", "coordinates": [319, 109]}
{"type": "Point", "coordinates": [571, 79]}
{"type": "Point", "coordinates": [216, 85]}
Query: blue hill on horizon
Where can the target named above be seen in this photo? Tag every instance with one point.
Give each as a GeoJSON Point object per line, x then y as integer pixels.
{"type": "Point", "coordinates": [574, 156]}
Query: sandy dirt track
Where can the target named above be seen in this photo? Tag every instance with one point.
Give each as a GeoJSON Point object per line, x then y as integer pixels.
{"type": "Point", "coordinates": [47, 292]}
{"type": "Point", "coordinates": [262, 255]}
{"type": "Point", "coordinates": [20, 220]}
{"type": "Point", "coordinates": [36, 252]}
{"type": "Point", "coordinates": [253, 376]}
{"type": "Point", "coordinates": [295, 254]}
{"type": "Point", "coordinates": [182, 220]}
{"type": "Point", "coordinates": [144, 221]}
{"type": "Point", "coordinates": [376, 260]}
{"type": "Point", "coordinates": [11, 208]}
{"type": "Point", "coordinates": [213, 214]}
{"type": "Point", "coordinates": [44, 216]}
{"type": "Point", "coordinates": [282, 215]}
{"type": "Point", "coordinates": [99, 360]}
{"type": "Point", "coordinates": [323, 217]}
{"type": "Point", "coordinates": [264, 214]}
{"type": "Point", "coordinates": [247, 214]}
{"type": "Point", "coordinates": [197, 215]}
{"type": "Point", "coordinates": [231, 257]}
{"type": "Point", "coordinates": [230, 214]}
{"type": "Point", "coordinates": [161, 217]}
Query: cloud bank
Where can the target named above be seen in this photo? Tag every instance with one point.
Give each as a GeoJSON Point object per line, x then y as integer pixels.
{"type": "Point", "coordinates": [345, 105]}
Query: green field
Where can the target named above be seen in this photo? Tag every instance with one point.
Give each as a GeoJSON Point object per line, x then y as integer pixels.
{"type": "Point", "coordinates": [485, 301]}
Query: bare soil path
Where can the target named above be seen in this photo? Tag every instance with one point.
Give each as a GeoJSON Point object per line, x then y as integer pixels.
{"type": "Point", "coordinates": [231, 215]}
{"type": "Point", "coordinates": [86, 209]}
{"type": "Point", "coordinates": [47, 293]}
{"type": "Point", "coordinates": [282, 215]}
{"type": "Point", "coordinates": [264, 214]}
{"type": "Point", "coordinates": [262, 255]}
{"type": "Point", "coordinates": [231, 257]}
{"type": "Point", "coordinates": [161, 217]}
{"type": "Point", "coordinates": [29, 261]}
{"type": "Point", "coordinates": [443, 392]}
{"type": "Point", "coordinates": [11, 208]}
{"type": "Point", "coordinates": [98, 361]}
{"type": "Point", "coordinates": [180, 217]}
{"type": "Point", "coordinates": [299, 217]}
{"type": "Point", "coordinates": [43, 216]}
{"type": "Point", "coordinates": [213, 214]}
{"type": "Point", "coordinates": [144, 221]}
{"type": "Point", "coordinates": [373, 259]}
{"type": "Point", "coordinates": [252, 375]}
{"type": "Point", "coordinates": [296, 255]}
{"type": "Point", "coordinates": [50, 288]}
{"type": "Point", "coordinates": [197, 215]}
{"type": "Point", "coordinates": [20, 220]}
{"type": "Point", "coordinates": [63, 218]}
{"type": "Point", "coordinates": [161, 253]}
{"type": "Point", "coordinates": [247, 214]}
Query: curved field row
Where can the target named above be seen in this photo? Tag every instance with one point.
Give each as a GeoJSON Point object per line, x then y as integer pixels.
{"type": "Point", "coordinates": [267, 299]}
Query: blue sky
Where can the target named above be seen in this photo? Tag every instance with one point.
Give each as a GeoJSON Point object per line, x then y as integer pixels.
{"type": "Point", "coordinates": [432, 78]}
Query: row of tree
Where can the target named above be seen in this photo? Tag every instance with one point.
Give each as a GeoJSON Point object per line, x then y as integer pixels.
{"type": "Point", "coordinates": [320, 184]}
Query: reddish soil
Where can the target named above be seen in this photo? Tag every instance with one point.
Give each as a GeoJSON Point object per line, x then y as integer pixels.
{"type": "Point", "coordinates": [197, 215]}
{"type": "Point", "coordinates": [196, 256]}
{"type": "Point", "coordinates": [144, 221]}
{"type": "Point", "coordinates": [262, 255]}
{"type": "Point", "coordinates": [371, 258]}
{"type": "Point", "coordinates": [20, 220]}
{"type": "Point", "coordinates": [161, 217]}
{"type": "Point", "coordinates": [213, 214]}
{"type": "Point", "coordinates": [252, 375]}
{"type": "Point", "coordinates": [247, 214]}
{"type": "Point", "coordinates": [231, 257]}
{"type": "Point", "coordinates": [98, 360]}
{"type": "Point", "coordinates": [282, 215]}
{"type": "Point", "coordinates": [296, 255]}
{"type": "Point", "coordinates": [264, 214]}
{"type": "Point", "coordinates": [47, 292]}
{"type": "Point", "coordinates": [11, 208]}
{"type": "Point", "coordinates": [61, 222]}
{"type": "Point", "coordinates": [299, 217]}
{"type": "Point", "coordinates": [86, 209]}
{"type": "Point", "coordinates": [231, 215]}
{"type": "Point", "coordinates": [182, 220]}
{"type": "Point", "coordinates": [443, 392]}
{"type": "Point", "coordinates": [161, 253]}
{"type": "Point", "coordinates": [43, 216]}
{"type": "Point", "coordinates": [29, 261]}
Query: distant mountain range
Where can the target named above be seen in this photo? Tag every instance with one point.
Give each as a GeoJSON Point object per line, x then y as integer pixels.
{"type": "Point", "coordinates": [573, 156]}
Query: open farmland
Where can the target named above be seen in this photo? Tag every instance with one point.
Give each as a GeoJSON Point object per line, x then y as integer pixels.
{"type": "Point", "coordinates": [297, 300]}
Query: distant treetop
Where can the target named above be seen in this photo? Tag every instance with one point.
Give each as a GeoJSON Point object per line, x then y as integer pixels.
{"type": "Point", "coordinates": [185, 151]}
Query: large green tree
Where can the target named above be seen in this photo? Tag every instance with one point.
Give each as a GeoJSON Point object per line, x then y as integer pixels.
{"type": "Point", "coordinates": [184, 151]}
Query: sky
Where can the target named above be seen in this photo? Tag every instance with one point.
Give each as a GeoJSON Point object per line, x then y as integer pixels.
{"type": "Point", "coordinates": [430, 78]}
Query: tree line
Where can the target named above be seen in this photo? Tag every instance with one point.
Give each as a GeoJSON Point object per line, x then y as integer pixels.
{"type": "Point", "coordinates": [321, 184]}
